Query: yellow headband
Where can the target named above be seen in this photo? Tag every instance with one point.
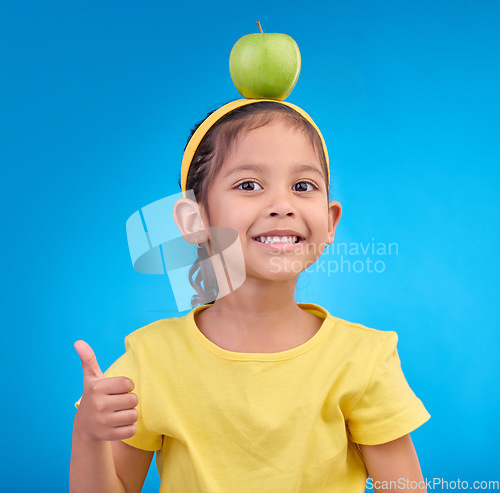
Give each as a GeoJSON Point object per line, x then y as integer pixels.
{"type": "Point", "coordinates": [207, 124]}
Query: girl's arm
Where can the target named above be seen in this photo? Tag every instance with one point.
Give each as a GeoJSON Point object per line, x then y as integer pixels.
{"type": "Point", "coordinates": [100, 462]}
{"type": "Point", "coordinates": [131, 465]}
{"type": "Point", "coordinates": [394, 466]}
{"type": "Point", "coordinates": [107, 466]}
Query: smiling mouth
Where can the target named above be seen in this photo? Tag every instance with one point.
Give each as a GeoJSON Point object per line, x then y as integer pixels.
{"type": "Point", "coordinates": [278, 239]}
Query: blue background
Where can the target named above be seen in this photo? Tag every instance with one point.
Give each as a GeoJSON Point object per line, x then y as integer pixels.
{"type": "Point", "coordinates": [97, 102]}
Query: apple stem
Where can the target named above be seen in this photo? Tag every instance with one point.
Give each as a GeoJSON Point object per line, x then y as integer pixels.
{"type": "Point", "coordinates": [258, 23]}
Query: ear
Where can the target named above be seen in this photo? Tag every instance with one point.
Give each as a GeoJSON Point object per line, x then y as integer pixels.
{"type": "Point", "coordinates": [187, 216]}
{"type": "Point", "coordinates": [334, 213]}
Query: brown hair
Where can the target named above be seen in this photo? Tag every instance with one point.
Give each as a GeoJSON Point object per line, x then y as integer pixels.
{"type": "Point", "coordinates": [209, 158]}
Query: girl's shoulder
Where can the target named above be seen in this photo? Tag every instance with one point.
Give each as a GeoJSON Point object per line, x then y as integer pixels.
{"type": "Point", "coordinates": [324, 313]}
{"type": "Point", "coordinates": [353, 333]}
{"type": "Point", "coordinates": [360, 329]}
{"type": "Point", "coordinates": [157, 330]}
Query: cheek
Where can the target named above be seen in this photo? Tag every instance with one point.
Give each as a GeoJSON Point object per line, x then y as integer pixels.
{"type": "Point", "coordinates": [227, 215]}
{"type": "Point", "coordinates": [319, 221]}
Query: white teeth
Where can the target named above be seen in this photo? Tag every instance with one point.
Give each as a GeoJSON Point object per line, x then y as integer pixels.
{"type": "Point", "coordinates": [277, 239]}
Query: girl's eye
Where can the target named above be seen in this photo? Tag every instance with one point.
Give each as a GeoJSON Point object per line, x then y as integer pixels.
{"type": "Point", "coordinates": [303, 186]}
{"type": "Point", "coordinates": [249, 186]}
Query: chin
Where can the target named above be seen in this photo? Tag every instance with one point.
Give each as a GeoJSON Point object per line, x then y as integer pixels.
{"type": "Point", "coordinates": [281, 271]}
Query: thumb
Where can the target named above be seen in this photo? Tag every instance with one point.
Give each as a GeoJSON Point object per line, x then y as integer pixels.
{"type": "Point", "coordinates": [89, 362]}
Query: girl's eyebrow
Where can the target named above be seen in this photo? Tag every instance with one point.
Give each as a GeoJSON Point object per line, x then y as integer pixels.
{"type": "Point", "coordinates": [308, 167]}
{"type": "Point", "coordinates": [244, 167]}
{"type": "Point", "coordinates": [300, 168]}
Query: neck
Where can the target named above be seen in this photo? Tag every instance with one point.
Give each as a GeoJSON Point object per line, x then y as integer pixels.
{"type": "Point", "coordinates": [260, 316]}
{"type": "Point", "coordinates": [257, 301]}
{"type": "Point", "coordinates": [256, 295]}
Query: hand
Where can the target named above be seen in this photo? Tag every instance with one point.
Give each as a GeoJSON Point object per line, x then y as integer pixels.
{"type": "Point", "coordinates": [107, 409]}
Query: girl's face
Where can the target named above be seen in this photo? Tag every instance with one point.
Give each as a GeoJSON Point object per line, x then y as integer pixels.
{"type": "Point", "coordinates": [271, 189]}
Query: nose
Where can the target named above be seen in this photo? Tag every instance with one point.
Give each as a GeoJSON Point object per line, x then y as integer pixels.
{"type": "Point", "coordinates": [284, 214]}
{"type": "Point", "coordinates": [281, 205]}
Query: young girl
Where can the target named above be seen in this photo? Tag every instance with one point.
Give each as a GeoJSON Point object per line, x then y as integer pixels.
{"type": "Point", "coordinates": [253, 392]}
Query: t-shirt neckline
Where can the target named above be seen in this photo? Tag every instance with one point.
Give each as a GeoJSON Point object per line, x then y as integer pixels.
{"type": "Point", "coordinates": [279, 356]}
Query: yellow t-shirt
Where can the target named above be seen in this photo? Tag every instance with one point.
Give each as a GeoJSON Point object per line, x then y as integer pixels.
{"type": "Point", "coordinates": [225, 421]}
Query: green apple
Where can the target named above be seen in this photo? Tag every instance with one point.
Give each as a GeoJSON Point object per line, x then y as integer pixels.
{"type": "Point", "coordinates": [265, 65]}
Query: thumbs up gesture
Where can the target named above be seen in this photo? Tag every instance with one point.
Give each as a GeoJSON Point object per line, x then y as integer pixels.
{"type": "Point", "coordinates": [107, 409]}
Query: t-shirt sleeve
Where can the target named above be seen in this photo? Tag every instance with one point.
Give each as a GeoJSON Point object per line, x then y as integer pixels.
{"type": "Point", "coordinates": [388, 409]}
{"type": "Point", "coordinates": [127, 365]}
